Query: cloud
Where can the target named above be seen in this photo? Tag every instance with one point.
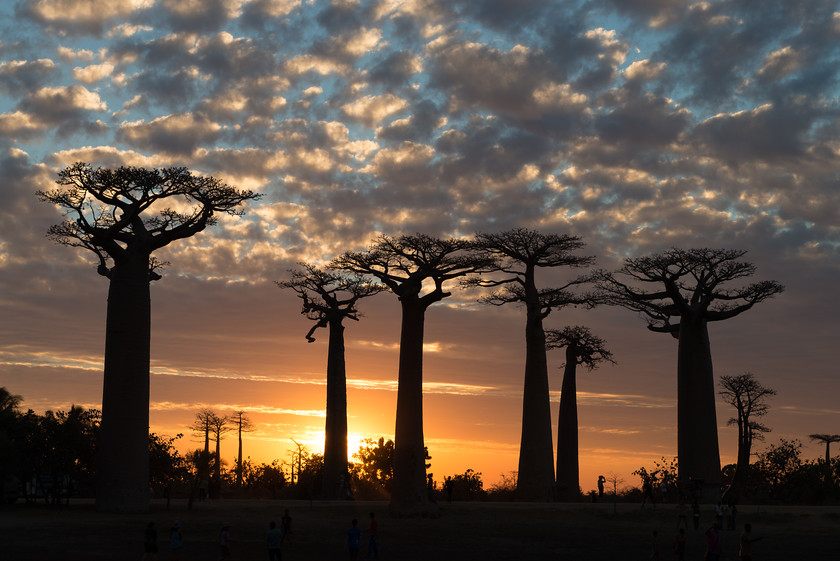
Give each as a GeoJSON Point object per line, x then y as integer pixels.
{"type": "Point", "coordinates": [177, 133]}
{"type": "Point", "coordinates": [79, 16]}
{"type": "Point", "coordinates": [93, 73]}
{"type": "Point", "coordinates": [370, 110]}
{"type": "Point", "coordinates": [20, 76]}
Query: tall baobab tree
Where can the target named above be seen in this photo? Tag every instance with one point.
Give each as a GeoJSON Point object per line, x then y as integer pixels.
{"type": "Point", "coordinates": [749, 398]}
{"type": "Point", "coordinates": [517, 254]}
{"type": "Point", "coordinates": [826, 439]}
{"type": "Point", "coordinates": [688, 285]}
{"type": "Point", "coordinates": [329, 298]}
{"type": "Point", "coordinates": [242, 423]}
{"type": "Point", "coordinates": [408, 265]}
{"type": "Point", "coordinates": [582, 349]}
{"type": "Point", "coordinates": [220, 426]}
{"type": "Point", "coordinates": [203, 424]}
{"type": "Point", "coordinates": [123, 216]}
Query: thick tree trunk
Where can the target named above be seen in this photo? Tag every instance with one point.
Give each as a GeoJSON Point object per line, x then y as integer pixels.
{"type": "Point", "coordinates": [568, 469]}
{"type": "Point", "coordinates": [122, 482]}
{"type": "Point", "coordinates": [409, 496]}
{"type": "Point", "coordinates": [239, 457]}
{"type": "Point", "coordinates": [335, 483]}
{"type": "Point", "coordinates": [536, 451]}
{"type": "Point", "coordinates": [697, 437]}
{"type": "Point", "coordinates": [737, 486]}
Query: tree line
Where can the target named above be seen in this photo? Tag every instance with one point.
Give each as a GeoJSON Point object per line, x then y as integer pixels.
{"type": "Point", "coordinates": [124, 215]}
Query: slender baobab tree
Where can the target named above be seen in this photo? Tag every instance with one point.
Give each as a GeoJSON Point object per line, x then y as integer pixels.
{"type": "Point", "coordinates": [241, 422]}
{"type": "Point", "coordinates": [749, 398]}
{"type": "Point", "coordinates": [582, 349]}
{"type": "Point", "coordinates": [329, 298]}
{"type": "Point", "coordinates": [826, 439]}
{"type": "Point", "coordinates": [689, 286]}
{"type": "Point", "coordinates": [517, 254]}
{"type": "Point", "coordinates": [408, 265]}
{"type": "Point", "coordinates": [220, 426]}
{"type": "Point", "coordinates": [123, 216]}
{"type": "Point", "coordinates": [203, 424]}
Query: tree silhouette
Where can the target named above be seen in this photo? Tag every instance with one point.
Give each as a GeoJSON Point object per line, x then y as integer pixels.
{"type": "Point", "coordinates": [328, 298]}
{"type": "Point", "coordinates": [204, 422]}
{"type": "Point", "coordinates": [749, 398]}
{"type": "Point", "coordinates": [220, 426]}
{"type": "Point", "coordinates": [407, 265]}
{"type": "Point", "coordinates": [123, 216]}
{"type": "Point", "coordinates": [826, 439]}
{"type": "Point", "coordinates": [689, 286]}
{"type": "Point", "coordinates": [242, 424]}
{"type": "Point", "coordinates": [518, 253]}
{"type": "Point", "coordinates": [585, 349]}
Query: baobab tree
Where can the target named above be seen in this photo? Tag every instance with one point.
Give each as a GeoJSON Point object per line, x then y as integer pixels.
{"type": "Point", "coordinates": [203, 424]}
{"type": "Point", "coordinates": [517, 255]}
{"type": "Point", "coordinates": [219, 426]}
{"type": "Point", "coordinates": [582, 349]}
{"type": "Point", "coordinates": [689, 287]}
{"type": "Point", "coordinates": [408, 265]}
{"type": "Point", "coordinates": [826, 439]}
{"type": "Point", "coordinates": [123, 216]}
{"type": "Point", "coordinates": [241, 423]}
{"type": "Point", "coordinates": [749, 398]}
{"type": "Point", "coordinates": [329, 298]}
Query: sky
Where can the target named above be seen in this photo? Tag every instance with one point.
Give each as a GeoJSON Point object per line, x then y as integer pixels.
{"type": "Point", "coordinates": [638, 125]}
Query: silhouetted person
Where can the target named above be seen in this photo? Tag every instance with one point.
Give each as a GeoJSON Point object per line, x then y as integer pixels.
{"type": "Point", "coordinates": [373, 532]}
{"type": "Point", "coordinates": [447, 486]}
{"type": "Point", "coordinates": [647, 492]}
{"type": "Point", "coordinates": [719, 515]}
{"type": "Point", "coordinates": [730, 516]}
{"type": "Point", "coordinates": [682, 519]}
{"type": "Point", "coordinates": [679, 545]}
{"type": "Point", "coordinates": [354, 539]}
{"type": "Point", "coordinates": [714, 547]}
{"type": "Point", "coordinates": [601, 481]}
{"type": "Point", "coordinates": [654, 546]}
{"type": "Point", "coordinates": [224, 543]}
{"type": "Point", "coordinates": [286, 522]}
{"type": "Point", "coordinates": [176, 541]}
{"type": "Point", "coordinates": [745, 550]}
{"type": "Point", "coordinates": [274, 539]}
{"type": "Point", "coordinates": [695, 514]}
{"type": "Point", "coordinates": [150, 548]}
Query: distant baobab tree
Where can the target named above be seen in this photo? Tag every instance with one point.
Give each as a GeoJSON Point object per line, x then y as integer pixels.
{"type": "Point", "coordinates": [826, 439]}
{"type": "Point", "coordinates": [203, 424]}
{"type": "Point", "coordinates": [688, 285]}
{"type": "Point", "coordinates": [241, 423]}
{"type": "Point", "coordinates": [584, 349]}
{"type": "Point", "coordinates": [407, 265]}
{"type": "Point", "coordinates": [328, 298]}
{"type": "Point", "coordinates": [517, 254]}
{"type": "Point", "coordinates": [220, 426]}
{"type": "Point", "coordinates": [123, 216]}
{"type": "Point", "coordinates": [749, 398]}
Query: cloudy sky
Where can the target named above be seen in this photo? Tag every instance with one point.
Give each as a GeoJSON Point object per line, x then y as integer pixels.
{"type": "Point", "coordinates": [636, 124]}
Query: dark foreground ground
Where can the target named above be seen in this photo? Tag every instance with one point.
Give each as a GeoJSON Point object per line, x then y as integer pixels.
{"type": "Point", "coordinates": [464, 531]}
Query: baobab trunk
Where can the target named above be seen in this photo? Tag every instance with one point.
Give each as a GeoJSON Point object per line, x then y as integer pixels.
{"type": "Point", "coordinates": [697, 437]}
{"type": "Point", "coordinates": [536, 451]}
{"type": "Point", "coordinates": [568, 469]}
{"type": "Point", "coordinates": [122, 482]}
{"type": "Point", "coordinates": [409, 494]}
{"type": "Point", "coordinates": [335, 484]}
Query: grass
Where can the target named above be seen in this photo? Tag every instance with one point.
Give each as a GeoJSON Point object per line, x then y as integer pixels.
{"type": "Point", "coordinates": [464, 531]}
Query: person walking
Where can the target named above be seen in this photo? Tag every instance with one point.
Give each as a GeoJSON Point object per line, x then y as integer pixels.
{"type": "Point", "coordinates": [224, 543]}
{"type": "Point", "coordinates": [150, 548]}
{"type": "Point", "coordinates": [714, 547]}
{"type": "Point", "coordinates": [373, 532]}
{"type": "Point", "coordinates": [745, 549]}
{"type": "Point", "coordinates": [176, 540]}
{"type": "Point", "coordinates": [354, 539]}
{"type": "Point", "coordinates": [286, 522]}
{"type": "Point", "coordinates": [274, 539]}
{"type": "Point", "coordinates": [679, 545]}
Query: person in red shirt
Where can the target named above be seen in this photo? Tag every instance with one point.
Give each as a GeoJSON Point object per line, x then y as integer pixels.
{"type": "Point", "coordinates": [373, 550]}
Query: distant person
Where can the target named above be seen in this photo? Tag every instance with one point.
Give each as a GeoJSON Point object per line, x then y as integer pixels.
{"type": "Point", "coordinates": [745, 549]}
{"type": "Point", "coordinates": [730, 516]}
{"type": "Point", "coordinates": [714, 547]}
{"type": "Point", "coordinates": [601, 481]}
{"type": "Point", "coordinates": [373, 533]}
{"type": "Point", "coordinates": [682, 519]}
{"type": "Point", "coordinates": [719, 515]}
{"type": "Point", "coordinates": [286, 522]}
{"type": "Point", "coordinates": [647, 492]}
{"type": "Point", "coordinates": [354, 539]}
{"type": "Point", "coordinates": [679, 545]}
{"type": "Point", "coordinates": [695, 514]}
{"type": "Point", "coordinates": [274, 539]}
{"type": "Point", "coordinates": [663, 488]}
{"type": "Point", "coordinates": [654, 546]}
{"type": "Point", "coordinates": [176, 541]}
{"type": "Point", "coordinates": [448, 485]}
{"type": "Point", "coordinates": [150, 548]}
{"type": "Point", "coordinates": [224, 543]}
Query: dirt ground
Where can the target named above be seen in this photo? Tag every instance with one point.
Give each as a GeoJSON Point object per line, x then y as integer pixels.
{"type": "Point", "coordinates": [464, 531]}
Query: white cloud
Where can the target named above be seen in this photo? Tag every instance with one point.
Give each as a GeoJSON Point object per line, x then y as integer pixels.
{"type": "Point", "coordinates": [372, 109]}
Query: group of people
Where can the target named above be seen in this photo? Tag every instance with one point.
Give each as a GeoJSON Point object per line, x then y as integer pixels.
{"type": "Point", "coordinates": [714, 544]}
{"type": "Point", "coordinates": [275, 537]}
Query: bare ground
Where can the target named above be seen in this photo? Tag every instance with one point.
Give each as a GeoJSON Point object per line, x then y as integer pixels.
{"type": "Point", "coordinates": [464, 531]}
